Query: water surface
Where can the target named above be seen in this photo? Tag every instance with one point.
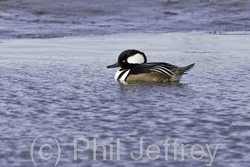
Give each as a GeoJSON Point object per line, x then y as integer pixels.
{"type": "Point", "coordinates": [60, 88]}
{"type": "Point", "coordinates": [53, 18]}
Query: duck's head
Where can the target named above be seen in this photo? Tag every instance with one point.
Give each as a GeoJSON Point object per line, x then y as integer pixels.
{"type": "Point", "coordinates": [129, 58]}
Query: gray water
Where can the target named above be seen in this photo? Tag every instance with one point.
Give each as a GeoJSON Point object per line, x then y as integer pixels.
{"type": "Point", "coordinates": [53, 18]}
{"type": "Point", "coordinates": [60, 88]}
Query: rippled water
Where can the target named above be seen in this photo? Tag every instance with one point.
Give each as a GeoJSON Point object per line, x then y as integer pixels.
{"type": "Point", "coordinates": [60, 88]}
{"type": "Point", "coordinates": [53, 18]}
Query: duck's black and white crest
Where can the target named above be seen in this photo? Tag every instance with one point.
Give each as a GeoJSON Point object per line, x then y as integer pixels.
{"type": "Point", "coordinates": [134, 67]}
{"type": "Point", "coordinates": [133, 56]}
{"type": "Point", "coordinates": [137, 58]}
{"type": "Point", "coordinates": [130, 58]}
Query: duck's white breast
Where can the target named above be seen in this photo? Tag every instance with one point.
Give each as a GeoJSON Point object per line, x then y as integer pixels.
{"type": "Point", "coordinates": [121, 75]}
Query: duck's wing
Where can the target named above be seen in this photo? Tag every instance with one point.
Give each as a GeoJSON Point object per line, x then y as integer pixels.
{"type": "Point", "coordinates": [163, 68]}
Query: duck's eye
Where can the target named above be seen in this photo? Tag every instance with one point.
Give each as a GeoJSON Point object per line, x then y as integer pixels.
{"type": "Point", "coordinates": [123, 61]}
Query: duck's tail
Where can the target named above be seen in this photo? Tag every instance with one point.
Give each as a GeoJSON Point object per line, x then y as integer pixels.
{"type": "Point", "coordinates": [181, 70]}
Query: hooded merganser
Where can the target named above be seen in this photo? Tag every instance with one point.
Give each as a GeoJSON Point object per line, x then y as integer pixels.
{"type": "Point", "coordinates": [134, 68]}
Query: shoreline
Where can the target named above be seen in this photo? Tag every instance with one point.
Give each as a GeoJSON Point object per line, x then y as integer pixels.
{"type": "Point", "coordinates": [131, 34]}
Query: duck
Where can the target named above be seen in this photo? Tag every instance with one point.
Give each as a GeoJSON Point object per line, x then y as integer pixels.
{"type": "Point", "coordinates": [135, 68]}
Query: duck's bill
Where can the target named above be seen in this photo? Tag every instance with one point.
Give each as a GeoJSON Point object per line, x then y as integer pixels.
{"type": "Point", "coordinates": [113, 65]}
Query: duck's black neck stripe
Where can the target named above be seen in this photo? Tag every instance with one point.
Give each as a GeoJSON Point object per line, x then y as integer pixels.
{"type": "Point", "coordinates": [119, 77]}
